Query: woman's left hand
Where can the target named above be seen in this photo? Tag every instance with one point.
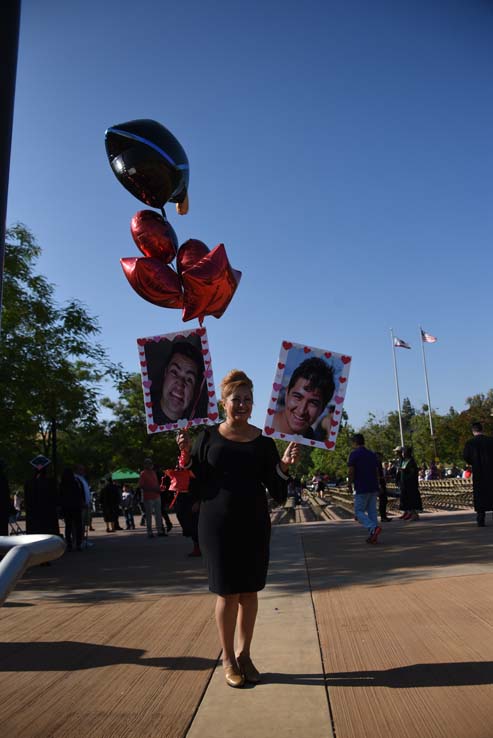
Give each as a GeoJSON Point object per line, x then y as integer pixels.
{"type": "Point", "coordinates": [290, 455]}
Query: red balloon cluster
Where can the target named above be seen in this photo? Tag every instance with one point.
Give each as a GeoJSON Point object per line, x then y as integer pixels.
{"type": "Point", "coordinates": [204, 281]}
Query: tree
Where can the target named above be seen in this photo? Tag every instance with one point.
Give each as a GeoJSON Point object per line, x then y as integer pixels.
{"type": "Point", "coordinates": [50, 364]}
{"type": "Point", "coordinates": [334, 463]}
{"type": "Point", "coordinates": [407, 414]}
{"type": "Point", "coordinates": [382, 435]}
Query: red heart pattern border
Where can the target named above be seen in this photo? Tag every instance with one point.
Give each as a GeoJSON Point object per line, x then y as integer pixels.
{"type": "Point", "coordinates": [212, 414]}
{"type": "Point", "coordinates": [284, 364]}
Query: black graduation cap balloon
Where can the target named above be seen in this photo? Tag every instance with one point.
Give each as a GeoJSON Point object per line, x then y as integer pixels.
{"type": "Point", "coordinates": [148, 161]}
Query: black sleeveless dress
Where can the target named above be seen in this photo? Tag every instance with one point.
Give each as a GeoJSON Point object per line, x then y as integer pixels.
{"type": "Point", "coordinates": [234, 523]}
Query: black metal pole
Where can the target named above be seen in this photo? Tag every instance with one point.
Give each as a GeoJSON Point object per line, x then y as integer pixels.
{"type": "Point", "coordinates": [10, 12]}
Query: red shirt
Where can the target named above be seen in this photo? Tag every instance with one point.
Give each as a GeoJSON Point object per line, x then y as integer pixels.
{"type": "Point", "coordinates": [149, 484]}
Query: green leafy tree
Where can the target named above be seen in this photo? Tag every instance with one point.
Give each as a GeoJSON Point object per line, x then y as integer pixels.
{"type": "Point", "coordinates": [407, 414]}
{"type": "Point", "coordinates": [130, 443]}
{"type": "Point", "coordinates": [334, 463]}
{"type": "Point", "coordinates": [382, 435]}
{"type": "Point", "coordinates": [50, 363]}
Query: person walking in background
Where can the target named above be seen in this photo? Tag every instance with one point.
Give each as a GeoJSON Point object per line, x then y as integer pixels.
{"type": "Point", "coordinates": [410, 498]}
{"type": "Point", "coordinates": [110, 503]}
{"type": "Point", "coordinates": [80, 474]}
{"type": "Point", "coordinates": [165, 497]}
{"type": "Point", "coordinates": [149, 484]}
{"type": "Point", "coordinates": [363, 469]}
{"type": "Point", "coordinates": [72, 501]}
{"type": "Point", "coordinates": [478, 453]}
{"type": "Point", "coordinates": [382, 494]}
{"type": "Point", "coordinates": [186, 504]}
{"type": "Point", "coordinates": [139, 508]}
{"type": "Point", "coordinates": [128, 507]}
{"type": "Point", "coordinates": [432, 473]}
{"type": "Point", "coordinates": [396, 463]}
{"type": "Point", "coordinates": [233, 464]}
{"type": "Point", "coordinates": [18, 505]}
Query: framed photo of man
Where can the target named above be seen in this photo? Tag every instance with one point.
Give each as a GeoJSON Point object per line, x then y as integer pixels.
{"type": "Point", "coordinates": [177, 380]}
{"type": "Point", "coordinates": [307, 395]}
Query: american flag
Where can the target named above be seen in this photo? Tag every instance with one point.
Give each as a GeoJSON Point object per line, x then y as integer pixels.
{"type": "Point", "coordinates": [399, 343]}
{"type": "Point", "coordinates": [427, 337]}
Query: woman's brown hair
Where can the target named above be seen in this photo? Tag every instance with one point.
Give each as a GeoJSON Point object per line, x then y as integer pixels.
{"type": "Point", "coordinates": [232, 381]}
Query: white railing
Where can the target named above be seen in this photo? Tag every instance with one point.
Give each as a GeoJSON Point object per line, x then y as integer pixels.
{"type": "Point", "coordinates": [21, 552]}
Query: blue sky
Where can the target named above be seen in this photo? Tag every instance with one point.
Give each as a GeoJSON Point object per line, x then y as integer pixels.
{"type": "Point", "coordinates": [340, 150]}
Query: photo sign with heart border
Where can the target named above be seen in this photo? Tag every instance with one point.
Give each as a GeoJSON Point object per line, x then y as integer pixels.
{"type": "Point", "coordinates": [307, 395]}
{"type": "Point", "coordinates": [177, 379]}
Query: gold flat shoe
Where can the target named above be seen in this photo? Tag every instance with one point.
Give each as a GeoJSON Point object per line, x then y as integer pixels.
{"type": "Point", "coordinates": [233, 676]}
{"type": "Point", "coordinates": [248, 670]}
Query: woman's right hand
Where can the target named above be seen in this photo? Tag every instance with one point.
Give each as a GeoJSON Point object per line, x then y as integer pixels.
{"type": "Point", "coordinates": [183, 441]}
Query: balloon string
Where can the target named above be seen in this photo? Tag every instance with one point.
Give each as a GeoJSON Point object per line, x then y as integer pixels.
{"type": "Point", "coordinates": [189, 423]}
{"type": "Point", "coordinates": [195, 403]}
{"type": "Point", "coordinates": [163, 213]}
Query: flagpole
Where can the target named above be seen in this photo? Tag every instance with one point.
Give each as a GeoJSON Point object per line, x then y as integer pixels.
{"type": "Point", "coordinates": [427, 390]}
{"type": "Point", "coordinates": [397, 386]}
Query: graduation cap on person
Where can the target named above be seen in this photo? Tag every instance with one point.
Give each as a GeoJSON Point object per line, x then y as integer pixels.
{"type": "Point", "coordinates": [40, 462]}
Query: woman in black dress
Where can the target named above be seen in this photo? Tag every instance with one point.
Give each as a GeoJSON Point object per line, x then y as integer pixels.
{"type": "Point", "coordinates": [233, 464]}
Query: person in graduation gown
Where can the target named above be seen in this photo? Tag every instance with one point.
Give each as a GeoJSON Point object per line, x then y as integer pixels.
{"type": "Point", "coordinates": [478, 452]}
{"type": "Point", "coordinates": [41, 500]}
{"type": "Point", "coordinates": [410, 497]}
{"type": "Point", "coordinates": [233, 465]}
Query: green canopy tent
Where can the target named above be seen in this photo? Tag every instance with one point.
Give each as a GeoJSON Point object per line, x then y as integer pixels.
{"type": "Point", "coordinates": [124, 475]}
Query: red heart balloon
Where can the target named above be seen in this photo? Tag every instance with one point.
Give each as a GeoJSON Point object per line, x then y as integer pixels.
{"type": "Point", "coordinates": [189, 253]}
{"type": "Point", "coordinates": [154, 236]}
{"type": "Point", "coordinates": [154, 281]}
{"type": "Point", "coordinates": [209, 285]}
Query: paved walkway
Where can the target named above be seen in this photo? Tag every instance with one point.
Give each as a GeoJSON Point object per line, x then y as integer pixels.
{"type": "Point", "coordinates": [353, 640]}
{"type": "Point", "coordinates": [292, 699]}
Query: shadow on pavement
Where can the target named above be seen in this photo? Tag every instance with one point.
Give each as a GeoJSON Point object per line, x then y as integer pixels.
{"type": "Point", "coordinates": [76, 655]}
{"type": "Point", "coordinates": [417, 675]}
